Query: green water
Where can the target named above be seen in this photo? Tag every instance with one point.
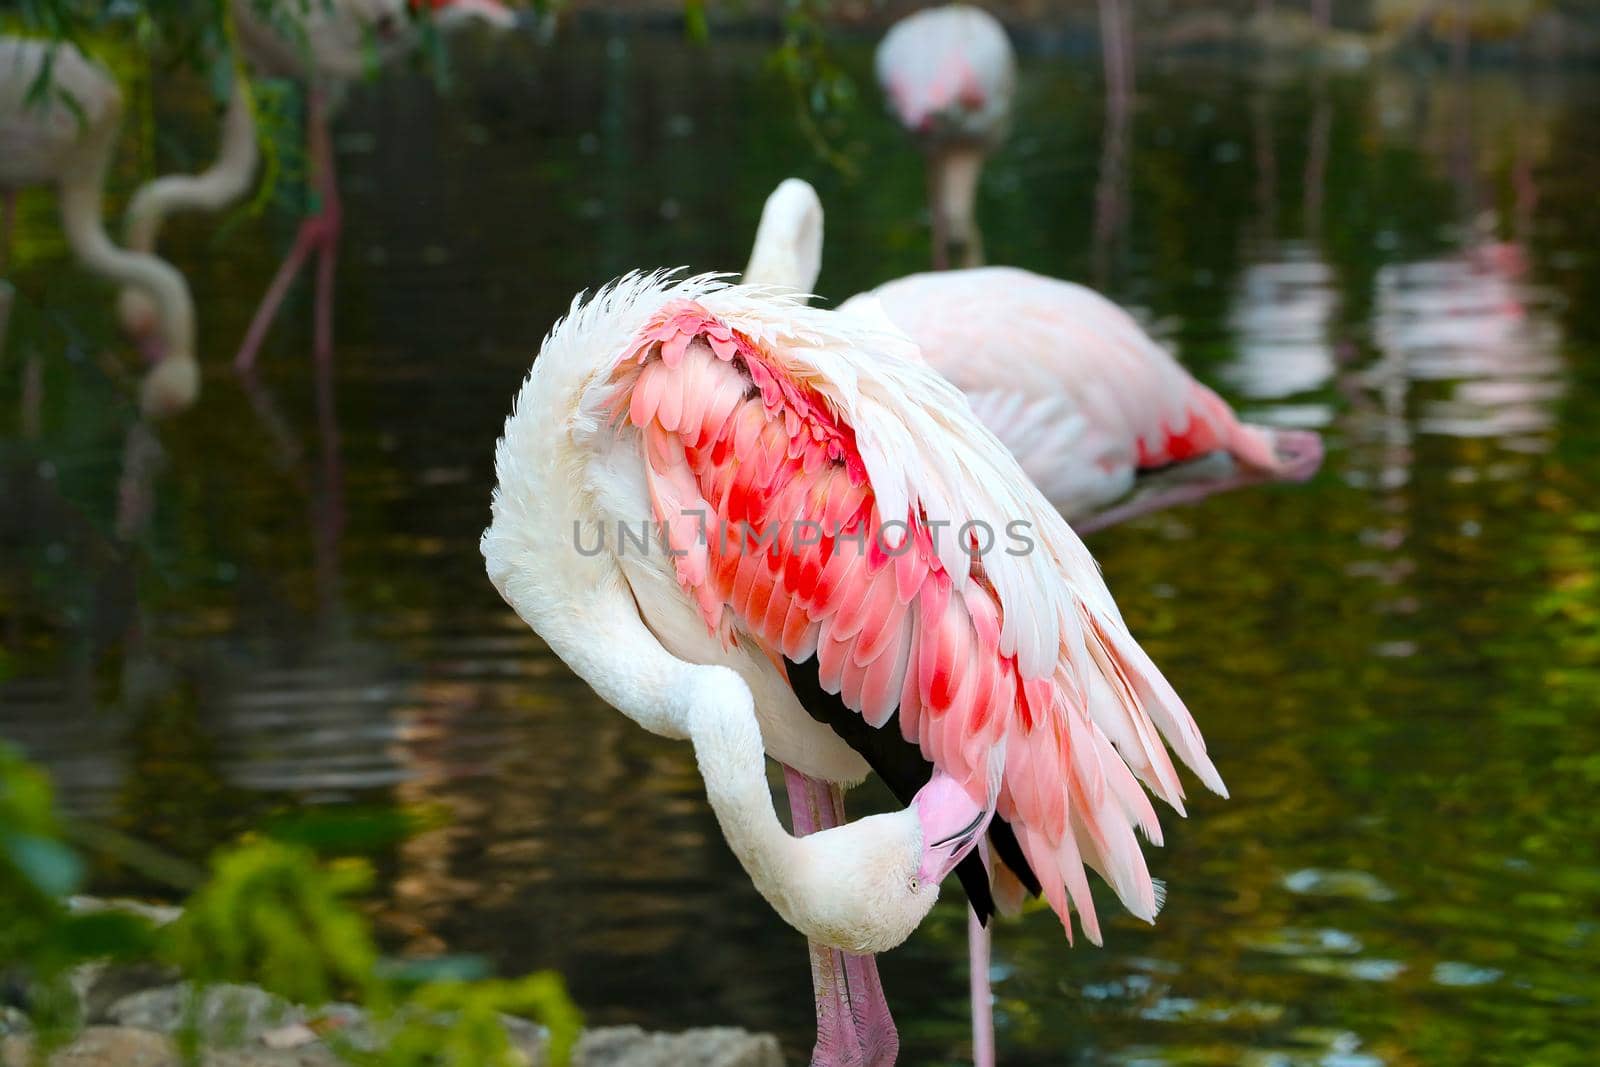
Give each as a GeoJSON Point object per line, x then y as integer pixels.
{"type": "Point", "coordinates": [1396, 666]}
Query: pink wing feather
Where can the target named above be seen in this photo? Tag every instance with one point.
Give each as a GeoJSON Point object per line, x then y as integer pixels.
{"type": "Point", "coordinates": [779, 536]}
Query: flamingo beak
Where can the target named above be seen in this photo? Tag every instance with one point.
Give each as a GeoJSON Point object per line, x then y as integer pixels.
{"type": "Point", "coordinates": [952, 825]}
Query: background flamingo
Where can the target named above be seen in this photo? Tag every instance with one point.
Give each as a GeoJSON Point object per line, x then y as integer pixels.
{"type": "Point", "coordinates": [949, 74]}
{"type": "Point", "coordinates": [68, 139]}
{"type": "Point", "coordinates": [324, 46]}
{"type": "Point", "coordinates": [1076, 390]}
{"type": "Point", "coordinates": [999, 695]}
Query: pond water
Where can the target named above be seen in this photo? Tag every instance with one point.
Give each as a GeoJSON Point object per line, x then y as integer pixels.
{"type": "Point", "coordinates": [278, 601]}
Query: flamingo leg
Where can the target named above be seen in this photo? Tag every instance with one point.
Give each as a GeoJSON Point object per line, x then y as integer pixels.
{"type": "Point", "coordinates": [854, 1027]}
{"type": "Point", "coordinates": [982, 999]}
{"type": "Point", "coordinates": [319, 233]}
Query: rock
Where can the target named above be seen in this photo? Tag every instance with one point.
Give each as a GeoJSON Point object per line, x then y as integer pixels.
{"type": "Point", "coordinates": [229, 1014]}
{"type": "Point", "coordinates": [124, 1046]}
{"type": "Point", "coordinates": [12, 1021]}
{"type": "Point", "coordinates": [100, 985]}
{"type": "Point", "coordinates": [160, 914]}
{"type": "Point", "coordinates": [100, 1046]}
{"type": "Point", "coordinates": [717, 1046]}
{"type": "Point", "coordinates": [527, 1038]}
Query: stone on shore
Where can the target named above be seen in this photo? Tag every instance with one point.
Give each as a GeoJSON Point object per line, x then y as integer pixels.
{"type": "Point", "coordinates": [617, 1046]}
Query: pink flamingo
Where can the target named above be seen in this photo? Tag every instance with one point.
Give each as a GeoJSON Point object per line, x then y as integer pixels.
{"type": "Point", "coordinates": [1082, 397]}
{"type": "Point", "coordinates": [824, 584]}
{"type": "Point", "coordinates": [333, 43]}
{"type": "Point", "coordinates": [68, 139]}
{"type": "Point", "coordinates": [949, 74]}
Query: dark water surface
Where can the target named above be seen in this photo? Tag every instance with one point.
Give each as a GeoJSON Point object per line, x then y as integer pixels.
{"type": "Point", "coordinates": [1396, 666]}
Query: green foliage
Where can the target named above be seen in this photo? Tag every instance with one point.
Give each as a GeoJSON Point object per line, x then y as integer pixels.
{"type": "Point", "coordinates": [270, 914]}
{"type": "Point", "coordinates": [823, 92]}
{"type": "Point", "coordinates": [37, 872]}
{"type": "Point", "coordinates": [458, 1024]}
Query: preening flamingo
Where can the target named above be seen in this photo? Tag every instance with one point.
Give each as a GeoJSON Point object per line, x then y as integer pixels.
{"type": "Point", "coordinates": [949, 74]}
{"type": "Point", "coordinates": [324, 45]}
{"type": "Point", "coordinates": [767, 527]}
{"type": "Point", "coordinates": [1067, 380]}
{"type": "Point", "coordinates": [68, 139]}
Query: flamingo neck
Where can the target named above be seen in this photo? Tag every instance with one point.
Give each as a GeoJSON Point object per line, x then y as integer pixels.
{"type": "Point", "coordinates": [956, 169]}
{"type": "Point", "coordinates": [223, 183]}
{"type": "Point", "coordinates": [732, 761]}
{"type": "Point", "coordinates": [82, 184]}
{"type": "Point", "coordinates": [788, 244]}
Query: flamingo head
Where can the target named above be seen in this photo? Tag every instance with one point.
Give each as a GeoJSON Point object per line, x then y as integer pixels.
{"type": "Point", "coordinates": [170, 386]}
{"type": "Point", "coordinates": [858, 887]}
{"type": "Point", "coordinates": [1298, 454]}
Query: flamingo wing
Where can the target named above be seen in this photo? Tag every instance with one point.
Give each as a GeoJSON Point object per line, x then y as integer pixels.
{"type": "Point", "coordinates": [825, 495]}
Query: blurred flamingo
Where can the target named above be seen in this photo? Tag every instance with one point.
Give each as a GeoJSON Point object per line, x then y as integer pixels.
{"type": "Point", "coordinates": [949, 74]}
{"type": "Point", "coordinates": [820, 591]}
{"type": "Point", "coordinates": [1081, 395]}
{"type": "Point", "coordinates": [67, 137]}
{"type": "Point", "coordinates": [324, 46]}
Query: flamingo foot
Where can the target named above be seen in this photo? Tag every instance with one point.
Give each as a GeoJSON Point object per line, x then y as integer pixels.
{"type": "Point", "coordinates": [854, 1027]}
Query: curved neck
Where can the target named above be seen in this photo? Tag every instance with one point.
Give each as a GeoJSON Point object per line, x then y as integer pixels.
{"type": "Point", "coordinates": [82, 182]}
{"type": "Point", "coordinates": [732, 760]}
{"type": "Point", "coordinates": [788, 244]}
{"type": "Point", "coordinates": [223, 183]}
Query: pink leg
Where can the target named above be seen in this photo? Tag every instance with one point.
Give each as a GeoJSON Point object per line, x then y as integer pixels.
{"type": "Point", "coordinates": [319, 233]}
{"type": "Point", "coordinates": [304, 242]}
{"type": "Point", "coordinates": [854, 1028]}
{"type": "Point", "coordinates": [982, 999]}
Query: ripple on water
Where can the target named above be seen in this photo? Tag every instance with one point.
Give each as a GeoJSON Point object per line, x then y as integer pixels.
{"type": "Point", "coordinates": [1348, 884]}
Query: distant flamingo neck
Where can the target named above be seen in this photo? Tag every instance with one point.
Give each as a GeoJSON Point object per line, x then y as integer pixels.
{"type": "Point", "coordinates": [223, 183]}
{"type": "Point", "coordinates": [955, 172]}
{"type": "Point", "coordinates": [788, 244]}
{"type": "Point", "coordinates": [81, 192]}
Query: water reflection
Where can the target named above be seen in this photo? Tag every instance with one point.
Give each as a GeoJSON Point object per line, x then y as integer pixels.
{"type": "Point", "coordinates": [1280, 321]}
{"type": "Point", "coordinates": [279, 601]}
{"type": "Point", "coordinates": [1473, 323]}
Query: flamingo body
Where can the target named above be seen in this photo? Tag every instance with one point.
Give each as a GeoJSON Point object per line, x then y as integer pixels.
{"type": "Point", "coordinates": [711, 407]}
{"type": "Point", "coordinates": [1072, 385]}
{"type": "Point", "coordinates": [949, 74]}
